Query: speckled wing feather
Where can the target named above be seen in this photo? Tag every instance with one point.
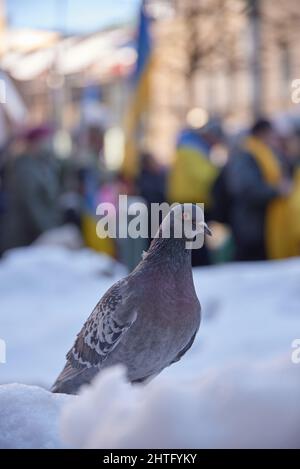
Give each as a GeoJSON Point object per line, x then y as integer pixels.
{"type": "Point", "coordinates": [101, 333]}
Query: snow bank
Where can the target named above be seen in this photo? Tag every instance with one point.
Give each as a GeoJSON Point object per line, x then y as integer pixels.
{"type": "Point", "coordinates": [234, 407]}
{"type": "Point", "coordinates": [68, 236]}
{"type": "Point", "coordinates": [29, 417]}
{"type": "Point", "coordinates": [237, 386]}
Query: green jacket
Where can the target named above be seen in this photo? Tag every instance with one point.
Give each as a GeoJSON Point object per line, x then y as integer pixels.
{"type": "Point", "coordinates": [32, 188]}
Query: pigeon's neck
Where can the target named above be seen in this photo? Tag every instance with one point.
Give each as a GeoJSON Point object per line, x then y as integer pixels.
{"type": "Point", "coordinates": [171, 252]}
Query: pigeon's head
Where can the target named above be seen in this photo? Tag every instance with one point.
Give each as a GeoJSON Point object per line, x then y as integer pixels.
{"type": "Point", "coordinates": [185, 221]}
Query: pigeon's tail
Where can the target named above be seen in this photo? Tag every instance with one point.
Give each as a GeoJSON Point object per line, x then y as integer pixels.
{"type": "Point", "coordinates": [64, 387]}
{"type": "Point", "coordinates": [63, 383]}
{"type": "Point", "coordinates": [71, 379]}
{"type": "Point", "coordinates": [61, 388]}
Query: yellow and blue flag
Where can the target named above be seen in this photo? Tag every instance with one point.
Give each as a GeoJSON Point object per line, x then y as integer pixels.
{"type": "Point", "coordinates": [139, 102]}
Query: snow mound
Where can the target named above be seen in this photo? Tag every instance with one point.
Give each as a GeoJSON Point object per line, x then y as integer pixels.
{"type": "Point", "coordinates": [239, 407]}
{"type": "Point", "coordinates": [29, 417]}
{"type": "Point", "coordinates": [67, 236]}
{"type": "Point", "coordinates": [245, 406]}
{"type": "Point", "coordinates": [236, 387]}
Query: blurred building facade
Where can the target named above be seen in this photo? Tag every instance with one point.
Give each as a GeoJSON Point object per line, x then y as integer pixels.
{"type": "Point", "coordinates": [236, 58]}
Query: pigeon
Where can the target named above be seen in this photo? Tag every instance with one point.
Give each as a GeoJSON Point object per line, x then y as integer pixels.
{"type": "Point", "coordinates": [146, 321]}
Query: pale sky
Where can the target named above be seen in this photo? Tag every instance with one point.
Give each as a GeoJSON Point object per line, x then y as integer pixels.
{"type": "Point", "coordinates": [70, 15]}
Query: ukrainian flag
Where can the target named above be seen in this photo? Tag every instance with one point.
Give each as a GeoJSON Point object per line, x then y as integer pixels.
{"type": "Point", "coordinates": [139, 102]}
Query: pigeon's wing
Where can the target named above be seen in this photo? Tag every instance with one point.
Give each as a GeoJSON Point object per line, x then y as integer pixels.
{"type": "Point", "coordinates": [112, 317]}
{"type": "Point", "coordinates": [101, 333]}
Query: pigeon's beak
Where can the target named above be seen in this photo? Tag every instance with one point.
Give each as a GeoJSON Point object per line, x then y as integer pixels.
{"type": "Point", "coordinates": [204, 226]}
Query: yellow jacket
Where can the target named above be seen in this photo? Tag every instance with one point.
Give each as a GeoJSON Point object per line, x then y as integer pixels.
{"type": "Point", "coordinates": [294, 216]}
{"type": "Point", "coordinates": [282, 233]}
{"type": "Point", "coordinates": [89, 231]}
{"type": "Point", "coordinates": [191, 177]}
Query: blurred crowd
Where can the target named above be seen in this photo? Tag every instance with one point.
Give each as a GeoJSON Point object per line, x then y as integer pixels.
{"type": "Point", "coordinates": [252, 199]}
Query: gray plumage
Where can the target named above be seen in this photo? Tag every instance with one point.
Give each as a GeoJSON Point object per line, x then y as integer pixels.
{"type": "Point", "coordinates": [145, 321]}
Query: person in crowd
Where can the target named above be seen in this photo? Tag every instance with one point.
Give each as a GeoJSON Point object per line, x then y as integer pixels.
{"type": "Point", "coordinates": [291, 146]}
{"type": "Point", "coordinates": [258, 191]}
{"type": "Point", "coordinates": [32, 188]}
{"type": "Point", "coordinates": [192, 175]}
{"type": "Point", "coordinates": [91, 174]}
{"type": "Point", "coordinates": [151, 183]}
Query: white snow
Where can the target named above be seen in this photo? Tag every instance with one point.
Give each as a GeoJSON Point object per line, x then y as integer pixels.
{"type": "Point", "coordinates": [67, 236]}
{"type": "Point", "coordinates": [236, 387]}
{"type": "Point", "coordinates": [29, 417]}
{"type": "Point", "coordinates": [231, 407]}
